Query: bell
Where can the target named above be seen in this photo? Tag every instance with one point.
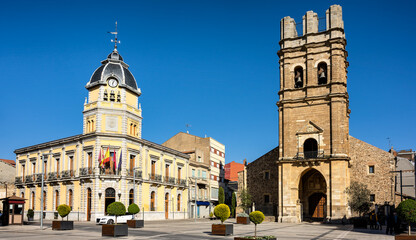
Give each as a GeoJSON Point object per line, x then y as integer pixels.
{"type": "Point", "coordinates": [322, 75]}
{"type": "Point", "coordinates": [298, 80]}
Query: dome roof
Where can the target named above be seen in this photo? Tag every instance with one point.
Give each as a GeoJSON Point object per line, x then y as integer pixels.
{"type": "Point", "coordinates": [114, 67]}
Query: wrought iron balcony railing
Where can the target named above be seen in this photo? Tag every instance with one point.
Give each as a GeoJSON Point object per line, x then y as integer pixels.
{"type": "Point", "coordinates": [155, 177]}
{"type": "Point", "coordinates": [182, 182]}
{"type": "Point", "coordinates": [29, 179]}
{"type": "Point", "coordinates": [169, 180]}
{"type": "Point", "coordinates": [39, 177]}
{"type": "Point", "coordinates": [85, 171]}
{"type": "Point", "coordinates": [310, 154]}
{"type": "Point", "coordinates": [52, 176]}
{"type": "Point", "coordinates": [18, 180]}
{"type": "Point", "coordinates": [138, 173]}
{"type": "Point", "coordinates": [109, 172]}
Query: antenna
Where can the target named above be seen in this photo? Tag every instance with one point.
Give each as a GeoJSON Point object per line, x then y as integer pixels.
{"type": "Point", "coordinates": [115, 41]}
{"type": "Point", "coordinates": [187, 126]}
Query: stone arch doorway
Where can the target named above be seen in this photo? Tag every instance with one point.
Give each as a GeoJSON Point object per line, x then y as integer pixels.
{"type": "Point", "coordinates": [110, 197]}
{"type": "Point", "coordinates": [312, 195]}
{"type": "Point", "coordinates": [167, 206]}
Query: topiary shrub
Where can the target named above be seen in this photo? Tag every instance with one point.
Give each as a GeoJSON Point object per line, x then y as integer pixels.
{"type": "Point", "coordinates": [211, 214]}
{"type": "Point", "coordinates": [133, 209]}
{"type": "Point", "coordinates": [222, 212]}
{"type": "Point", "coordinates": [64, 210]}
{"type": "Point", "coordinates": [407, 211]}
{"type": "Point", "coordinates": [116, 209]}
{"type": "Point", "coordinates": [30, 213]}
{"type": "Point", "coordinates": [256, 217]}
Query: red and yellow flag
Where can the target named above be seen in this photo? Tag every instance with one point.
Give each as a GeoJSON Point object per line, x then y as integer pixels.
{"type": "Point", "coordinates": [107, 156]}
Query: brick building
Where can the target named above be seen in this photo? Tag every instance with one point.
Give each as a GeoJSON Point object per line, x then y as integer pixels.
{"type": "Point", "coordinates": [231, 170]}
{"type": "Point", "coordinates": [306, 176]}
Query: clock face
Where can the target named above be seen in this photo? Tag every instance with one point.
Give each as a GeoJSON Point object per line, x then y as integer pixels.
{"type": "Point", "coordinates": [112, 82]}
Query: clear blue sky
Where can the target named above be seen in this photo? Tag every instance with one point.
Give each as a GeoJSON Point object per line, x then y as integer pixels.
{"type": "Point", "coordinates": [211, 64]}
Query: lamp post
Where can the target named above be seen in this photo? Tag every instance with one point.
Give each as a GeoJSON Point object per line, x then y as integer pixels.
{"type": "Point", "coordinates": [41, 194]}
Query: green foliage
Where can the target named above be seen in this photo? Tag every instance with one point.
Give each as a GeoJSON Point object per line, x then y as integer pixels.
{"type": "Point", "coordinates": [63, 210]}
{"type": "Point", "coordinates": [358, 197]}
{"type": "Point", "coordinates": [407, 211]}
{"type": "Point", "coordinates": [256, 217]}
{"type": "Point", "coordinates": [245, 198]}
{"type": "Point", "coordinates": [233, 204]}
{"type": "Point", "coordinates": [133, 208]}
{"type": "Point", "coordinates": [221, 196]}
{"type": "Point", "coordinates": [211, 214]}
{"type": "Point", "coordinates": [30, 213]}
{"type": "Point", "coordinates": [116, 209]}
{"type": "Point", "coordinates": [222, 212]}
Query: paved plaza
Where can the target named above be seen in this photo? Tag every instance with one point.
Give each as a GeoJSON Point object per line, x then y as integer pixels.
{"type": "Point", "coordinates": [189, 229]}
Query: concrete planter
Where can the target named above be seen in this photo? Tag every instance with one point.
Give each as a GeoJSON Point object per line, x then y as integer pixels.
{"type": "Point", "coordinates": [135, 223]}
{"type": "Point", "coordinates": [115, 230]}
{"type": "Point", "coordinates": [222, 229]}
{"type": "Point", "coordinates": [243, 220]}
{"type": "Point", "coordinates": [62, 225]}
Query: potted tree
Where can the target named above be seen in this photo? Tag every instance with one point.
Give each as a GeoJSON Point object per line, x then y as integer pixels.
{"type": "Point", "coordinates": [222, 212]}
{"type": "Point", "coordinates": [407, 212]}
{"type": "Point", "coordinates": [115, 230]}
{"type": "Point", "coordinates": [30, 214]}
{"type": "Point", "coordinates": [359, 201]}
{"type": "Point", "coordinates": [256, 217]}
{"type": "Point", "coordinates": [134, 223]}
{"type": "Point", "coordinates": [243, 218]}
{"type": "Point", "coordinates": [63, 211]}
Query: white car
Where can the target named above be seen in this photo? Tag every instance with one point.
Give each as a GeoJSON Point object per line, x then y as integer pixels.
{"type": "Point", "coordinates": [112, 219]}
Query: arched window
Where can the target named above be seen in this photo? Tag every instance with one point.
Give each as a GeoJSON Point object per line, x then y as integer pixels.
{"type": "Point", "coordinates": [322, 73]}
{"type": "Point", "coordinates": [92, 125]}
{"type": "Point", "coordinates": [44, 200]}
{"type": "Point", "coordinates": [298, 77]}
{"type": "Point", "coordinates": [131, 128]}
{"type": "Point", "coordinates": [105, 98]}
{"type": "Point", "coordinates": [70, 196]}
{"type": "Point", "coordinates": [56, 199]}
{"type": "Point", "coordinates": [22, 195]}
{"type": "Point", "coordinates": [131, 196]}
{"type": "Point", "coordinates": [152, 201]}
{"type": "Point", "coordinates": [310, 148]}
{"type": "Point", "coordinates": [112, 96]}
{"type": "Point", "coordinates": [179, 203]}
{"type": "Point", "coordinates": [33, 201]}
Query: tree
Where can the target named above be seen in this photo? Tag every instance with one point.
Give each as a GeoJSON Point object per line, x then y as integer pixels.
{"type": "Point", "coordinates": [133, 209]}
{"type": "Point", "coordinates": [256, 217]}
{"type": "Point", "coordinates": [407, 211]}
{"type": "Point", "coordinates": [233, 204]}
{"type": "Point", "coordinates": [245, 198]}
{"type": "Point", "coordinates": [222, 212]}
{"type": "Point", "coordinates": [116, 209]}
{"type": "Point", "coordinates": [358, 197]}
{"type": "Point", "coordinates": [221, 197]}
{"type": "Point", "coordinates": [64, 210]}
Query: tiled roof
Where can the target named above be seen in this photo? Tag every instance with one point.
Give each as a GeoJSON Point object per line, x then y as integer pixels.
{"type": "Point", "coordinates": [11, 162]}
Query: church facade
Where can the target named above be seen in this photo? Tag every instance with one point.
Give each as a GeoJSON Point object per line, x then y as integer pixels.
{"type": "Point", "coordinates": [109, 161]}
{"type": "Point", "coordinates": [316, 159]}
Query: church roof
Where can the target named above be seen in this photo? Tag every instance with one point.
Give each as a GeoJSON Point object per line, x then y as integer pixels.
{"type": "Point", "coordinates": [114, 67]}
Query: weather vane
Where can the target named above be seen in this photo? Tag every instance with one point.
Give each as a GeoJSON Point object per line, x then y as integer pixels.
{"type": "Point", "coordinates": [115, 41]}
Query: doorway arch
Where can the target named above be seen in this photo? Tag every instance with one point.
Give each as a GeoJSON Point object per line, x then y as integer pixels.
{"type": "Point", "coordinates": [312, 195]}
{"type": "Point", "coordinates": [310, 148]}
{"type": "Point", "coordinates": [89, 203]}
{"type": "Point", "coordinates": [167, 206]}
{"type": "Point", "coordinates": [110, 197]}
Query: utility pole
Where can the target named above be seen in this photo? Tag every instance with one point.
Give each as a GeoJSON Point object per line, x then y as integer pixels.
{"type": "Point", "coordinates": [196, 185]}
{"type": "Point", "coordinates": [134, 185]}
{"type": "Point", "coordinates": [41, 193]}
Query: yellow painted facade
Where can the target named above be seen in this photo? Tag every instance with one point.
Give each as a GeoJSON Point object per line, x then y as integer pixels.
{"type": "Point", "coordinates": [139, 171]}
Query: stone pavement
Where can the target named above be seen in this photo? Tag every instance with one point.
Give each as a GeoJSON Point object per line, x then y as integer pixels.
{"type": "Point", "coordinates": [189, 229]}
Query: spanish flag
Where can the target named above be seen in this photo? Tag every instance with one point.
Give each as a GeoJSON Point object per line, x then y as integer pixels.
{"type": "Point", "coordinates": [107, 156]}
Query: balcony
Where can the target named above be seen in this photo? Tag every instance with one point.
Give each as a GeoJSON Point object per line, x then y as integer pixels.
{"type": "Point", "coordinates": [306, 155]}
{"type": "Point", "coordinates": [182, 182]}
{"type": "Point", "coordinates": [18, 181]}
{"type": "Point", "coordinates": [52, 176]}
{"type": "Point", "coordinates": [29, 179]}
{"type": "Point", "coordinates": [85, 172]}
{"type": "Point", "coordinates": [155, 177]}
{"type": "Point", "coordinates": [137, 174]}
{"type": "Point", "coordinates": [38, 177]}
{"type": "Point", "coordinates": [169, 180]}
{"type": "Point", "coordinates": [67, 174]}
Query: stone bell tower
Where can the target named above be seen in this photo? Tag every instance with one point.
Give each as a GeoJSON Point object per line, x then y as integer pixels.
{"type": "Point", "coordinates": [313, 107]}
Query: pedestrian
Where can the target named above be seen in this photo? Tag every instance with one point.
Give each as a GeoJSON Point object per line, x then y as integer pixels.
{"type": "Point", "coordinates": [372, 220]}
{"type": "Point", "coordinates": [389, 227]}
{"type": "Point", "coordinates": [396, 222]}
{"type": "Point", "coordinates": [379, 218]}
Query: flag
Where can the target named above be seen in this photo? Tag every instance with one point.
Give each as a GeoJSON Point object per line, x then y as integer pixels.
{"type": "Point", "coordinates": [102, 158]}
{"type": "Point", "coordinates": [99, 158]}
{"type": "Point", "coordinates": [107, 156]}
{"type": "Point", "coordinates": [114, 161]}
{"type": "Point", "coordinates": [119, 162]}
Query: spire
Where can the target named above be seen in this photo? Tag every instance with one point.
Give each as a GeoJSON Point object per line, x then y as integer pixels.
{"type": "Point", "coordinates": [115, 41]}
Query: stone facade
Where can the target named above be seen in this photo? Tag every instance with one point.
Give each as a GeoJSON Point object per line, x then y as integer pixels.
{"type": "Point", "coordinates": [7, 175]}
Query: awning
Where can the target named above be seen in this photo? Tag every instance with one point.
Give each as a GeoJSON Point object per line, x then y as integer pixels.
{"type": "Point", "coordinates": [202, 203]}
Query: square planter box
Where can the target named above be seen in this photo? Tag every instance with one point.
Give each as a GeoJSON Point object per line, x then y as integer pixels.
{"type": "Point", "coordinates": [243, 220]}
{"type": "Point", "coordinates": [243, 238]}
{"type": "Point", "coordinates": [404, 236]}
{"type": "Point", "coordinates": [222, 229]}
{"type": "Point", "coordinates": [115, 230]}
{"type": "Point", "coordinates": [135, 223]}
{"type": "Point", "coordinates": [62, 225]}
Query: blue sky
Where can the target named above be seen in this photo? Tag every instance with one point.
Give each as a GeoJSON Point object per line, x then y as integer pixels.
{"type": "Point", "coordinates": [210, 64]}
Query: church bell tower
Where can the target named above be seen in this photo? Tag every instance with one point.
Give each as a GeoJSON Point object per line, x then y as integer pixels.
{"type": "Point", "coordinates": [313, 118]}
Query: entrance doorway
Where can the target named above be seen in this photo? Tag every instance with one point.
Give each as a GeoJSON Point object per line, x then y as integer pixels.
{"type": "Point", "coordinates": [89, 196]}
{"type": "Point", "coordinates": [110, 197]}
{"type": "Point", "coordinates": [312, 195]}
{"type": "Point", "coordinates": [166, 205]}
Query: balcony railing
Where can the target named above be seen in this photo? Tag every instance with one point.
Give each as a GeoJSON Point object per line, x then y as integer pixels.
{"type": "Point", "coordinates": [169, 180]}
{"type": "Point", "coordinates": [67, 174]}
{"type": "Point", "coordinates": [29, 179]}
{"type": "Point", "coordinates": [182, 182]}
{"type": "Point", "coordinates": [155, 177]}
{"type": "Point", "coordinates": [85, 171]}
{"type": "Point", "coordinates": [52, 176]}
{"type": "Point", "coordinates": [38, 177]}
{"type": "Point", "coordinates": [138, 173]}
{"type": "Point", "coordinates": [18, 180]}
{"type": "Point", "coordinates": [310, 154]}
{"type": "Point", "coordinates": [109, 172]}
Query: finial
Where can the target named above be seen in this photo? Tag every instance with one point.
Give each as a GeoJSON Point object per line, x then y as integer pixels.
{"type": "Point", "coordinates": [140, 106]}
{"type": "Point", "coordinates": [115, 41]}
{"type": "Point", "coordinates": [85, 102]}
